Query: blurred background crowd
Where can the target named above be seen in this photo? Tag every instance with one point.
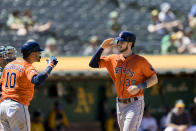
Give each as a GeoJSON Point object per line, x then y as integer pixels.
{"type": "Point", "coordinates": [162, 27]}
{"type": "Point", "coordinates": [77, 28]}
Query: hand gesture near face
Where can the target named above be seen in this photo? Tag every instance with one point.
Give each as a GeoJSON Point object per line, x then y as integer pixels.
{"type": "Point", "coordinates": [107, 43]}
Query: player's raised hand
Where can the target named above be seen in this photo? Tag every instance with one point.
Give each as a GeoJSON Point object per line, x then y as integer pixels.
{"type": "Point", "coordinates": [108, 43]}
{"type": "Point", "coordinates": [133, 89]}
{"type": "Point", "coordinates": [52, 62]}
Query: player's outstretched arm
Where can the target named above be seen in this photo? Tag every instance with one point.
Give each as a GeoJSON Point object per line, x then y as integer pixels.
{"type": "Point", "coordinates": [94, 63]}
{"type": "Point", "coordinates": [38, 79]}
{"type": "Point", "coordinates": [51, 64]}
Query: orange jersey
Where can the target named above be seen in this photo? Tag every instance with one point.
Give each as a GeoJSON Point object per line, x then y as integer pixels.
{"type": "Point", "coordinates": [16, 81]}
{"type": "Point", "coordinates": [133, 70]}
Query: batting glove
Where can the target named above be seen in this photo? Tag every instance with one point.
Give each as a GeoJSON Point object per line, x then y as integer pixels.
{"type": "Point", "coordinates": [52, 62]}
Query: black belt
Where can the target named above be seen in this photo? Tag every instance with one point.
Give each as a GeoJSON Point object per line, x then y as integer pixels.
{"type": "Point", "coordinates": [127, 100]}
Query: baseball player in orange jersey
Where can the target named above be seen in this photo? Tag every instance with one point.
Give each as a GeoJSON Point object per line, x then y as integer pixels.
{"type": "Point", "coordinates": [131, 74]}
{"type": "Point", "coordinates": [18, 80]}
{"type": "Point", "coordinates": [7, 54]}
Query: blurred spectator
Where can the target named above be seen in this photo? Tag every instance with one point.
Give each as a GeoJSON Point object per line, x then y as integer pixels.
{"type": "Point", "coordinates": [28, 19]}
{"type": "Point", "coordinates": [172, 49]}
{"type": "Point", "coordinates": [168, 18]}
{"type": "Point", "coordinates": [179, 119]}
{"type": "Point", "coordinates": [31, 24]}
{"type": "Point", "coordinates": [192, 110]}
{"type": "Point", "coordinates": [113, 25]}
{"type": "Point", "coordinates": [148, 122]}
{"type": "Point", "coordinates": [171, 42]}
{"type": "Point", "coordinates": [160, 26]}
{"type": "Point", "coordinates": [192, 19]}
{"type": "Point", "coordinates": [155, 22]}
{"type": "Point", "coordinates": [187, 45]}
{"type": "Point", "coordinates": [175, 41]}
{"type": "Point", "coordinates": [192, 16]}
{"type": "Point", "coordinates": [92, 46]}
{"type": "Point", "coordinates": [111, 123]}
{"type": "Point", "coordinates": [166, 15]}
{"type": "Point", "coordinates": [26, 23]}
{"type": "Point", "coordinates": [165, 43]}
{"type": "Point", "coordinates": [51, 47]}
{"type": "Point", "coordinates": [15, 22]}
{"type": "Point", "coordinates": [164, 117]}
{"type": "Point", "coordinates": [37, 122]}
{"type": "Point", "coordinates": [57, 120]}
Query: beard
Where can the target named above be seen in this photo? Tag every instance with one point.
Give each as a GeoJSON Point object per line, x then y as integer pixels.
{"type": "Point", "coordinates": [38, 59]}
{"type": "Point", "coordinates": [123, 50]}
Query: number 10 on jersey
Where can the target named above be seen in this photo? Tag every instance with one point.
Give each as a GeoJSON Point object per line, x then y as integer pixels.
{"type": "Point", "coordinates": [11, 80]}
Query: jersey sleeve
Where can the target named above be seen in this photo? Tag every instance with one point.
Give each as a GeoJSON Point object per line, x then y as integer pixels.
{"type": "Point", "coordinates": [103, 61]}
{"type": "Point", "coordinates": [147, 69]}
{"type": "Point", "coordinates": [30, 72]}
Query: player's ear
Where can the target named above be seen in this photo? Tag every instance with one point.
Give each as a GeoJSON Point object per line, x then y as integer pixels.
{"type": "Point", "coordinates": [32, 54]}
{"type": "Point", "coordinates": [130, 43]}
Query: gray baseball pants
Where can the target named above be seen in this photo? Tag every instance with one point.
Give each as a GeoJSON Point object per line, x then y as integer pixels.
{"type": "Point", "coordinates": [130, 115]}
{"type": "Point", "coordinates": [14, 116]}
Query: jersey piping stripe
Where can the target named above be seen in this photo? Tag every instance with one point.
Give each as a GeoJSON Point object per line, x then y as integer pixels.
{"type": "Point", "coordinates": [25, 118]}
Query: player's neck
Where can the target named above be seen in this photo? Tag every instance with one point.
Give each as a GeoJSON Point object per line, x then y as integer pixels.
{"type": "Point", "coordinates": [127, 54]}
{"type": "Point", "coordinates": [28, 60]}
